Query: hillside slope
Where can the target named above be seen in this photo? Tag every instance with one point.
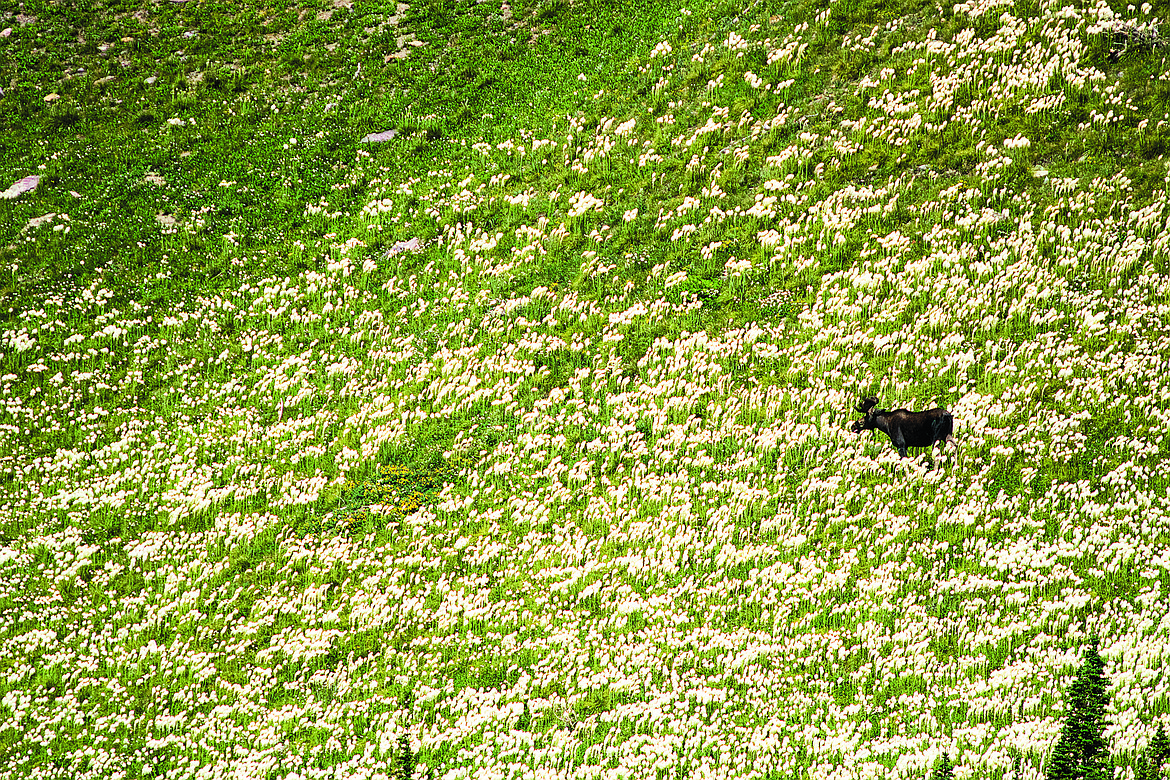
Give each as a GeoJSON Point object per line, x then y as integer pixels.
{"type": "Point", "coordinates": [529, 443]}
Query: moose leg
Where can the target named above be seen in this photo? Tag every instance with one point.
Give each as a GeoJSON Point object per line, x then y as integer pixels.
{"type": "Point", "coordinates": [899, 441]}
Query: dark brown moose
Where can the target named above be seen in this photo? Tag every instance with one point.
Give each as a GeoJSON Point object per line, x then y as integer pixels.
{"type": "Point", "coordinates": [905, 428]}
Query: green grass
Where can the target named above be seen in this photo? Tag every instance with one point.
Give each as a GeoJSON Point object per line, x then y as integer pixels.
{"type": "Point", "coordinates": [571, 485]}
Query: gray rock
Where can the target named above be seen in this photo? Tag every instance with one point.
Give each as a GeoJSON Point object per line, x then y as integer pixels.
{"type": "Point", "coordinates": [374, 138]}
{"type": "Point", "coordinates": [27, 184]}
{"type": "Point", "coordinates": [404, 246]}
{"type": "Point", "coordinates": [36, 222]}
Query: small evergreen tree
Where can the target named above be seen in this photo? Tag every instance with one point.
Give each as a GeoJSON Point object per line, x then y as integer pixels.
{"type": "Point", "coordinates": [943, 769]}
{"type": "Point", "coordinates": [405, 762]}
{"type": "Point", "coordinates": [1151, 764]}
{"type": "Point", "coordinates": [1081, 752]}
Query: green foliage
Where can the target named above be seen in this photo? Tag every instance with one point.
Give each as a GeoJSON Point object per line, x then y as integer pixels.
{"type": "Point", "coordinates": [595, 701]}
{"type": "Point", "coordinates": [1004, 476]}
{"type": "Point", "coordinates": [1081, 752]}
{"type": "Point", "coordinates": [405, 760]}
{"type": "Point", "coordinates": [943, 768]}
{"type": "Point", "coordinates": [706, 289]}
{"type": "Point", "coordinates": [1153, 762]}
{"type": "Point", "coordinates": [397, 489]}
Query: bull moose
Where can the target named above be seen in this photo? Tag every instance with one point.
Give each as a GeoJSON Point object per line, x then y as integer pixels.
{"type": "Point", "coordinates": [905, 428]}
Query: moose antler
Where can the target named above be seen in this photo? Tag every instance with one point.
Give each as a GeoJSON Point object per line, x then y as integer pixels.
{"type": "Point", "coordinates": [866, 404]}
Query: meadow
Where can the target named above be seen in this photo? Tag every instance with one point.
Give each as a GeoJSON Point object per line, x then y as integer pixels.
{"type": "Point", "coordinates": [518, 446]}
